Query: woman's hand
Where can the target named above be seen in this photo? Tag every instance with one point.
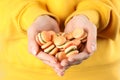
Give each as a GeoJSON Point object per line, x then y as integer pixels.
{"type": "Point", "coordinates": [40, 24]}
{"type": "Point", "coordinates": [81, 21]}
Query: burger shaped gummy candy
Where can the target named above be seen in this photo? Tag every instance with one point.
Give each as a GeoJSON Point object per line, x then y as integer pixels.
{"type": "Point", "coordinates": [62, 45]}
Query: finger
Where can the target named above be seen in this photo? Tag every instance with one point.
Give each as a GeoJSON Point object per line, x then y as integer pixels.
{"type": "Point", "coordinates": [53, 25]}
{"type": "Point", "coordinates": [56, 27]}
{"type": "Point", "coordinates": [76, 62]}
{"type": "Point", "coordinates": [69, 27]}
{"type": "Point", "coordinates": [78, 57]}
{"type": "Point", "coordinates": [33, 47]}
{"type": "Point", "coordinates": [46, 57]}
{"type": "Point", "coordinates": [91, 39]}
{"type": "Point", "coordinates": [50, 60]}
{"type": "Point", "coordinates": [64, 62]}
{"type": "Point", "coordinates": [48, 63]}
{"type": "Point", "coordinates": [53, 65]}
{"type": "Point", "coordinates": [59, 72]}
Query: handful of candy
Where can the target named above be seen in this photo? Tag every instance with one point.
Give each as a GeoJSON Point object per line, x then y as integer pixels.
{"type": "Point", "coordinates": [62, 45]}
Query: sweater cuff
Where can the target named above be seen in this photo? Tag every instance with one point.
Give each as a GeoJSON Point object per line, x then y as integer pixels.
{"type": "Point", "coordinates": [98, 12]}
{"type": "Point", "coordinates": [30, 13]}
{"type": "Point", "coordinates": [92, 15]}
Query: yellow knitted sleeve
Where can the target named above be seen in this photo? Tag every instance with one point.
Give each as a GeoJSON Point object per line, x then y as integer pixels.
{"type": "Point", "coordinates": [30, 12]}
{"type": "Point", "coordinates": [102, 14]}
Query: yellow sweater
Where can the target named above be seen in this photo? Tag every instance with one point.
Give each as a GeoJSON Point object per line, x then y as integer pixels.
{"type": "Point", "coordinates": [17, 15]}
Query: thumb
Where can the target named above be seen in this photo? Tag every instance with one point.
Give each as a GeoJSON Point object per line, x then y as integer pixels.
{"type": "Point", "coordinates": [56, 28]}
{"type": "Point", "coordinates": [33, 47]}
{"type": "Point", "coordinates": [91, 40]}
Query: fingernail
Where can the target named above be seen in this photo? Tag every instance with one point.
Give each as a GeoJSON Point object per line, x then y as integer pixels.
{"type": "Point", "coordinates": [54, 61]}
{"type": "Point", "coordinates": [93, 47]}
{"type": "Point", "coordinates": [34, 51]}
{"type": "Point", "coordinates": [64, 64]}
{"type": "Point", "coordinates": [60, 74]}
{"type": "Point", "coordinates": [71, 59]}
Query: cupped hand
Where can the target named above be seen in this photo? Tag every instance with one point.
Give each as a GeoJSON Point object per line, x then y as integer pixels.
{"type": "Point", "coordinates": [40, 24]}
{"type": "Point", "coordinates": [81, 21]}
